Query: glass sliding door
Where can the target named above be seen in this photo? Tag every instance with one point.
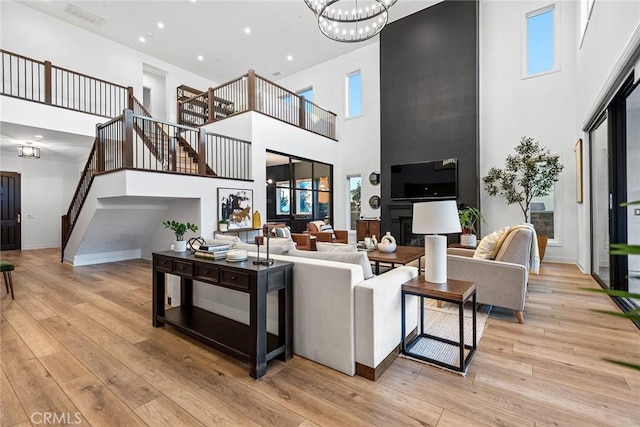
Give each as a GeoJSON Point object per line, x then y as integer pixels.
{"type": "Point", "coordinates": [600, 201]}
{"type": "Point", "coordinates": [633, 185]}
{"type": "Point", "coordinates": [615, 180]}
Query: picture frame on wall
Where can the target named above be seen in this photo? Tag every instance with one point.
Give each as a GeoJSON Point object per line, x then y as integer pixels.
{"type": "Point", "coordinates": [236, 206]}
{"type": "Point", "coordinates": [579, 188]}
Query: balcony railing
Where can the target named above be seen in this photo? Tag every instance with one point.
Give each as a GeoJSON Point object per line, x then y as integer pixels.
{"type": "Point", "coordinates": [43, 82]}
{"type": "Point", "coordinates": [251, 92]}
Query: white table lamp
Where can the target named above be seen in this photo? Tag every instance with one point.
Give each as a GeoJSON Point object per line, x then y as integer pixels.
{"type": "Point", "coordinates": [433, 218]}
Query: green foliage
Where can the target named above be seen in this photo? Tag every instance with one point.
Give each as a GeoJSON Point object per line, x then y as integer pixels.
{"type": "Point", "coordinates": [469, 218]}
{"type": "Point", "coordinates": [223, 221]}
{"type": "Point", "coordinates": [530, 173]}
{"type": "Point", "coordinates": [356, 196]}
{"type": "Point", "coordinates": [179, 228]}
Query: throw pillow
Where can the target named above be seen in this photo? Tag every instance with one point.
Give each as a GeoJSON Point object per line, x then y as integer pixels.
{"type": "Point", "coordinates": [327, 228]}
{"type": "Point", "coordinates": [487, 245]}
{"type": "Point", "coordinates": [283, 232]}
{"type": "Point", "coordinates": [335, 247]}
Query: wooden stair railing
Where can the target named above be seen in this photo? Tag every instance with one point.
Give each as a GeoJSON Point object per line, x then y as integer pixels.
{"type": "Point", "coordinates": [79, 196]}
{"type": "Point", "coordinates": [252, 92]}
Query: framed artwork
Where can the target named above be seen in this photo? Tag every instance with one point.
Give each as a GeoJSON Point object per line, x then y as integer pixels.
{"type": "Point", "coordinates": [579, 189]}
{"type": "Point", "coordinates": [236, 206]}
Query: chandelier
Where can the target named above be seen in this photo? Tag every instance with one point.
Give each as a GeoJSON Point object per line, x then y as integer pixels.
{"type": "Point", "coordinates": [28, 151]}
{"type": "Point", "coordinates": [351, 20]}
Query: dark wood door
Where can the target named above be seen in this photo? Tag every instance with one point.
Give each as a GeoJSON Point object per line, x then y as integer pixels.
{"type": "Point", "coordinates": [10, 211]}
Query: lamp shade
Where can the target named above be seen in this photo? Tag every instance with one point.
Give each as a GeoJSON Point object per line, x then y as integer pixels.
{"type": "Point", "coordinates": [436, 217]}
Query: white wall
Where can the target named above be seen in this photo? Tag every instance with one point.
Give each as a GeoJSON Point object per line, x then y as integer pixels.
{"type": "Point", "coordinates": [358, 149]}
{"type": "Point", "coordinates": [31, 33]}
{"type": "Point", "coordinates": [611, 27]}
{"type": "Point", "coordinates": [541, 107]}
{"type": "Point", "coordinates": [46, 189]}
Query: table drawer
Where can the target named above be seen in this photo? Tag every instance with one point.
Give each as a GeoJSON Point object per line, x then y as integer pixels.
{"type": "Point", "coordinates": [183, 268]}
{"type": "Point", "coordinates": [163, 264]}
{"type": "Point", "coordinates": [234, 279]}
{"type": "Point", "coordinates": [206, 272]}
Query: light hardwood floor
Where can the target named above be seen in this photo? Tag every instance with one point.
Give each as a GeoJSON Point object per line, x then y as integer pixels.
{"type": "Point", "coordinates": [77, 344]}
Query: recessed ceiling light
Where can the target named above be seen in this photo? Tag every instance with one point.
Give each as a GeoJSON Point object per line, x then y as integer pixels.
{"type": "Point", "coordinates": [160, 25]}
{"type": "Point", "coordinates": [200, 58]}
{"type": "Point", "coordinates": [290, 58]}
{"type": "Point", "coordinates": [38, 136]}
{"type": "Point", "coordinates": [192, 1]}
{"type": "Point", "coordinates": [142, 39]}
{"type": "Point", "coordinates": [247, 30]}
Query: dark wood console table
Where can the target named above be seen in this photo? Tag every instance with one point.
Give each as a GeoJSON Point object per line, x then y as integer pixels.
{"type": "Point", "coordinates": [246, 342]}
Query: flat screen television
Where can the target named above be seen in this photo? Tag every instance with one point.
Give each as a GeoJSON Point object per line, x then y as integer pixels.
{"type": "Point", "coordinates": [432, 180]}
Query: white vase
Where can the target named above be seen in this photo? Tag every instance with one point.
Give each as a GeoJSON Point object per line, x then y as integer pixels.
{"type": "Point", "coordinates": [468, 240]}
{"type": "Point", "coordinates": [180, 246]}
{"type": "Point", "coordinates": [223, 227]}
{"type": "Point", "coordinates": [387, 243]}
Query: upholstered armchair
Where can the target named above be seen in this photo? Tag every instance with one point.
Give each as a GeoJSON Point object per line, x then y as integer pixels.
{"type": "Point", "coordinates": [315, 228]}
{"type": "Point", "coordinates": [501, 281]}
{"type": "Point", "coordinates": [302, 241]}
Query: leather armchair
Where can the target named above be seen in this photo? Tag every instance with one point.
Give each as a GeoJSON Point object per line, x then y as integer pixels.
{"type": "Point", "coordinates": [303, 241]}
{"type": "Point", "coordinates": [342, 236]}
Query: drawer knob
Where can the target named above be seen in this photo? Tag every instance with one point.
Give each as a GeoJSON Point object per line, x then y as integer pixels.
{"type": "Point", "coordinates": [234, 277]}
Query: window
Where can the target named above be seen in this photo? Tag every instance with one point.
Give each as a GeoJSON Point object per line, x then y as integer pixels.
{"type": "Point", "coordinates": [304, 197]}
{"type": "Point", "coordinates": [541, 212]}
{"type": "Point", "coordinates": [354, 94]}
{"type": "Point", "coordinates": [307, 93]}
{"type": "Point", "coordinates": [542, 42]}
{"type": "Point", "coordinates": [355, 196]}
{"type": "Point", "coordinates": [283, 198]}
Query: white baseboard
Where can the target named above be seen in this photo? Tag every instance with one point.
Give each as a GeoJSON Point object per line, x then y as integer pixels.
{"type": "Point", "coordinates": [101, 258]}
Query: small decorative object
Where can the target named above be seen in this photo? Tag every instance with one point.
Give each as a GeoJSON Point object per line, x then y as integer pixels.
{"type": "Point", "coordinates": [374, 241]}
{"type": "Point", "coordinates": [194, 243]}
{"type": "Point", "coordinates": [374, 178]}
{"type": "Point", "coordinates": [387, 243]}
{"type": "Point", "coordinates": [223, 225]}
{"type": "Point", "coordinates": [256, 220]}
{"type": "Point", "coordinates": [179, 228]}
{"type": "Point", "coordinates": [268, 261]}
{"type": "Point", "coordinates": [367, 243]}
{"type": "Point", "coordinates": [374, 202]}
{"type": "Point", "coordinates": [236, 255]}
{"type": "Point", "coordinates": [469, 217]}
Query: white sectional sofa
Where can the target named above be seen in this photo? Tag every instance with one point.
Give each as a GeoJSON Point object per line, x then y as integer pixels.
{"type": "Point", "coordinates": [341, 320]}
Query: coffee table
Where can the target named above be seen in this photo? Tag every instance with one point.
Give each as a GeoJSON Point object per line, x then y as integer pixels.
{"type": "Point", "coordinates": [402, 255]}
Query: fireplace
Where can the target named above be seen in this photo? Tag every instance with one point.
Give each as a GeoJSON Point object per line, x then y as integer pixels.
{"type": "Point", "coordinates": [407, 238]}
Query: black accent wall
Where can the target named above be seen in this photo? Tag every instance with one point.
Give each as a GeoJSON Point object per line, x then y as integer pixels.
{"type": "Point", "coordinates": [429, 99]}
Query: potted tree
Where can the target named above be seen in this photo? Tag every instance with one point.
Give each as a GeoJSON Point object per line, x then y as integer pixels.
{"type": "Point", "coordinates": [223, 225]}
{"type": "Point", "coordinates": [529, 173]}
{"type": "Point", "coordinates": [469, 217]}
{"type": "Point", "coordinates": [179, 228]}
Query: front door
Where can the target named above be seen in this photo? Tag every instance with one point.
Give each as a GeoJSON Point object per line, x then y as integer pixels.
{"type": "Point", "coordinates": [10, 228]}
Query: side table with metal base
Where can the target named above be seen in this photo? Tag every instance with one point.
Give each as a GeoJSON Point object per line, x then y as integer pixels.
{"type": "Point", "coordinates": [454, 291]}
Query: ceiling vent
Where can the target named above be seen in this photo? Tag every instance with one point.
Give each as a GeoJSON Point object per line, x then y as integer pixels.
{"type": "Point", "coordinates": [276, 74]}
{"type": "Point", "coordinates": [84, 14]}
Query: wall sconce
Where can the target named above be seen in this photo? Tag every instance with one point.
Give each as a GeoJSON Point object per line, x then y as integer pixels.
{"type": "Point", "coordinates": [28, 152]}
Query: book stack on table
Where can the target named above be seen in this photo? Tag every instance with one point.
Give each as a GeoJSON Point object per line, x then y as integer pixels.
{"type": "Point", "coordinates": [212, 251]}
